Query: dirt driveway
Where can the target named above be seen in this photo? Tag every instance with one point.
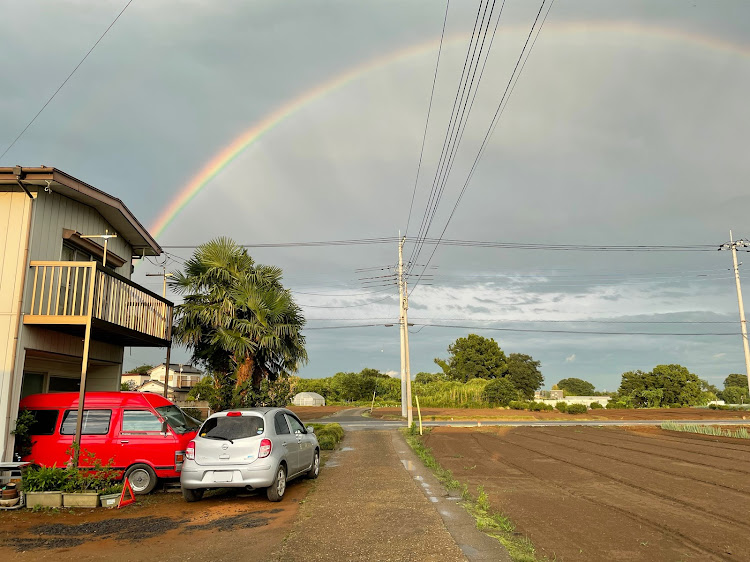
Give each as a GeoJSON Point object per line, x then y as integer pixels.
{"type": "Point", "coordinates": [587, 493]}
{"type": "Point", "coordinates": [225, 525]}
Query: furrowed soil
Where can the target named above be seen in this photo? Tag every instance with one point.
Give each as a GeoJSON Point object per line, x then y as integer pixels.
{"type": "Point", "coordinates": [429, 414]}
{"type": "Point", "coordinates": [592, 493]}
{"type": "Point", "coordinates": [225, 525]}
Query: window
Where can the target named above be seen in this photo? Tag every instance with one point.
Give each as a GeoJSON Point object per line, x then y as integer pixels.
{"type": "Point", "coordinates": [44, 422]}
{"type": "Point", "coordinates": [95, 422]}
{"type": "Point", "coordinates": [279, 423]}
{"type": "Point", "coordinates": [235, 427]}
{"type": "Point", "coordinates": [140, 420]}
{"type": "Point", "coordinates": [64, 384]}
{"type": "Point", "coordinates": [296, 424]}
{"type": "Point", "coordinates": [178, 420]}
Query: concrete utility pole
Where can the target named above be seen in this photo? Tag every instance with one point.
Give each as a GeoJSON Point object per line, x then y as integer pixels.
{"type": "Point", "coordinates": [406, 408]}
{"type": "Point", "coordinates": [164, 275]}
{"type": "Point", "coordinates": [732, 245]}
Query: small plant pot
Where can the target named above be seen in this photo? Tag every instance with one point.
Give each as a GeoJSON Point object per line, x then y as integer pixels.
{"type": "Point", "coordinates": [44, 499]}
{"type": "Point", "coordinates": [81, 499]}
{"type": "Point", "coordinates": [109, 500]}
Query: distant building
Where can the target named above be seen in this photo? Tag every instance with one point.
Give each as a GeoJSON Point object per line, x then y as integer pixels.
{"type": "Point", "coordinates": [308, 399]}
{"type": "Point", "coordinates": [549, 395]}
{"type": "Point", "coordinates": [135, 380]}
{"type": "Point", "coordinates": [180, 376]}
{"type": "Point", "coordinates": [174, 394]}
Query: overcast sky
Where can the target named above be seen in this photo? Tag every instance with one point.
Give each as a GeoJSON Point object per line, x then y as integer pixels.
{"type": "Point", "coordinates": [629, 125]}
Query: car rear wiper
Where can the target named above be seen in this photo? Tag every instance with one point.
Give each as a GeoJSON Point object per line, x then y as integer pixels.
{"type": "Point", "coordinates": [218, 437]}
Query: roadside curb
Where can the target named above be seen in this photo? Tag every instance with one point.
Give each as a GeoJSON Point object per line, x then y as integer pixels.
{"type": "Point", "coordinates": [474, 544]}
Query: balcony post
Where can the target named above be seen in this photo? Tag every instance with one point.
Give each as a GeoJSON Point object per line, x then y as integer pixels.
{"type": "Point", "coordinates": [84, 369]}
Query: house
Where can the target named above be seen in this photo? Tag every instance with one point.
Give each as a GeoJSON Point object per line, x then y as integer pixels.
{"type": "Point", "coordinates": [174, 394]}
{"type": "Point", "coordinates": [180, 376]}
{"type": "Point", "coordinates": [134, 380]}
{"type": "Point", "coordinates": [549, 395]}
{"type": "Point", "coordinates": [67, 305]}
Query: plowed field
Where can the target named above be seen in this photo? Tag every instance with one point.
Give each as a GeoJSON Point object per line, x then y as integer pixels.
{"type": "Point", "coordinates": [679, 414]}
{"type": "Point", "coordinates": [582, 493]}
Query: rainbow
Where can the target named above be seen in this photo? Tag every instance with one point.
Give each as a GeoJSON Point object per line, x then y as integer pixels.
{"type": "Point", "coordinates": [225, 156]}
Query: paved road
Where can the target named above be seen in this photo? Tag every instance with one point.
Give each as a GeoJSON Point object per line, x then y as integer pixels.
{"type": "Point", "coordinates": [353, 420]}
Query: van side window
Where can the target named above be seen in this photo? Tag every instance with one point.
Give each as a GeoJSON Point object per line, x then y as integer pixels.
{"type": "Point", "coordinates": [44, 422]}
{"type": "Point", "coordinates": [140, 420]}
{"type": "Point", "coordinates": [279, 423]}
{"type": "Point", "coordinates": [95, 422]}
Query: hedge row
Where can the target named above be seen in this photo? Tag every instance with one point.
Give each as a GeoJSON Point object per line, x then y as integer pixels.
{"type": "Point", "coordinates": [328, 435]}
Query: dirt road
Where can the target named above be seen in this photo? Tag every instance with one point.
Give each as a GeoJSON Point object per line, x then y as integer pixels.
{"type": "Point", "coordinates": [610, 494]}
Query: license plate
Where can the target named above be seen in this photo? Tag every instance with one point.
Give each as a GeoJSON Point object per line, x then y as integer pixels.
{"type": "Point", "coordinates": [225, 476]}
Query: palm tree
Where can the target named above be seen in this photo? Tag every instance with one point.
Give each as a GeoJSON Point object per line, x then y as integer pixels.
{"type": "Point", "coordinates": [237, 319]}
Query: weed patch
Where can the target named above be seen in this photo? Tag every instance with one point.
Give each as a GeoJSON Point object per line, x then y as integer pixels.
{"type": "Point", "coordinates": [740, 433]}
{"type": "Point", "coordinates": [492, 523]}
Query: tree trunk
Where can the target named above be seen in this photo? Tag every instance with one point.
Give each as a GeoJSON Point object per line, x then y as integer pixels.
{"type": "Point", "coordinates": [246, 371]}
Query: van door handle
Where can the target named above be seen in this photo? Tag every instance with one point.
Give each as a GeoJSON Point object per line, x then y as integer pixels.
{"type": "Point", "coordinates": [123, 442]}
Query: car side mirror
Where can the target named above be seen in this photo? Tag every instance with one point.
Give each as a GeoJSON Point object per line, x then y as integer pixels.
{"type": "Point", "coordinates": [310, 429]}
{"type": "Point", "coordinates": [164, 427]}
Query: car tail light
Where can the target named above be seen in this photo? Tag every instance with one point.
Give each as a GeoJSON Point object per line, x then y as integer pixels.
{"type": "Point", "coordinates": [190, 451]}
{"type": "Point", "coordinates": [265, 448]}
{"type": "Point", "coordinates": [233, 414]}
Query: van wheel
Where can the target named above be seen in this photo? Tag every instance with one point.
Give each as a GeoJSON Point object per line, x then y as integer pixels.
{"type": "Point", "coordinates": [276, 491]}
{"type": "Point", "coordinates": [142, 478]}
{"type": "Point", "coordinates": [192, 495]}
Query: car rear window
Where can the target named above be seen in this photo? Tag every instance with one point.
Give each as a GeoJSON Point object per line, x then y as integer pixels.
{"type": "Point", "coordinates": [44, 422]}
{"type": "Point", "coordinates": [234, 427]}
{"type": "Point", "coordinates": [95, 422]}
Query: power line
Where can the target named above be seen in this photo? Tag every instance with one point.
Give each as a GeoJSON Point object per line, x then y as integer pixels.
{"type": "Point", "coordinates": [427, 123]}
{"type": "Point", "coordinates": [454, 134]}
{"type": "Point", "coordinates": [589, 332]}
{"type": "Point", "coordinates": [322, 243]}
{"type": "Point", "coordinates": [493, 122]}
{"type": "Point", "coordinates": [38, 113]}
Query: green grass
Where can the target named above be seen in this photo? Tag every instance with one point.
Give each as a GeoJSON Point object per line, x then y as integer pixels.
{"type": "Point", "coordinates": [328, 435]}
{"type": "Point", "coordinates": [740, 433]}
{"type": "Point", "coordinates": [488, 521]}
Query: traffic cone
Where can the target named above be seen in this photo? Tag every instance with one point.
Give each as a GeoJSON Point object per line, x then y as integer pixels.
{"type": "Point", "coordinates": [126, 487]}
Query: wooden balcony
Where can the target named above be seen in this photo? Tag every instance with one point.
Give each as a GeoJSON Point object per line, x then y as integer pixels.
{"type": "Point", "coordinates": [66, 296]}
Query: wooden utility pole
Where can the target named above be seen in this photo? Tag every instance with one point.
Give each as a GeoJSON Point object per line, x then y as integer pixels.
{"type": "Point", "coordinates": [406, 408]}
{"type": "Point", "coordinates": [164, 275]}
{"type": "Point", "coordinates": [732, 245]}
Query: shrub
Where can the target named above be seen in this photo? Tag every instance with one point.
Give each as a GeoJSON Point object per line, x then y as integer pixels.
{"type": "Point", "coordinates": [616, 405]}
{"type": "Point", "coordinates": [577, 408]}
{"type": "Point", "coordinates": [596, 406]}
{"type": "Point", "coordinates": [540, 407]}
{"type": "Point", "coordinates": [499, 392]}
{"type": "Point", "coordinates": [518, 405]}
{"type": "Point", "coordinates": [45, 478]}
{"type": "Point", "coordinates": [328, 435]}
{"type": "Point", "coordinates": [562, 407]}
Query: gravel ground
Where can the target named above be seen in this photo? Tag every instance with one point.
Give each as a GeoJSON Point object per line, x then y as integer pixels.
{"type": "Point", "coordinates": [365, 507]}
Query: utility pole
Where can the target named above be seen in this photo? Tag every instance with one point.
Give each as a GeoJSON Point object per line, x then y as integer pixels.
{"type": "Point", "coordinates": [406, 408]}
{"type": "Point", "coordinates": [164, 275]}
{"type": "Point", "coordinates": [732, 245]}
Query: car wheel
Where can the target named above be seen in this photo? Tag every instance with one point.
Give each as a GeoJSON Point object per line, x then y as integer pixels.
{"type": "Point", "coordinates": [315, 468]}
{"type": "Point", "coordinates": [276, 491]}
{"type": "Point", "coordinates": [142, 478]}
{"type": "Point", "coordinates": [192, 495]}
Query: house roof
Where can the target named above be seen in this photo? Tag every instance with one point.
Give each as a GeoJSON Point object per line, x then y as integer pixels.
{"type": "Point", "coordinates": [187, 369]}
{"type": "Point", "coordinates": [161, 384]}
{"type": "Point", "coordinates": [111, 208]}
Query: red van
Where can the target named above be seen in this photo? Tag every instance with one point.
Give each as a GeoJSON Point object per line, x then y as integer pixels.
{"type": "Point", "coordinates": [144, 434]}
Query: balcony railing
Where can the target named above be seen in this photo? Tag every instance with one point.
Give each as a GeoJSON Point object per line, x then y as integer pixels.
{"type": "Point", "coordinates": [69, 293]}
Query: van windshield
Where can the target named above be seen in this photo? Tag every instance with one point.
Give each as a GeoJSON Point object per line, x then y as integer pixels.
{"type": "Point", "coordinates": [178, 420]}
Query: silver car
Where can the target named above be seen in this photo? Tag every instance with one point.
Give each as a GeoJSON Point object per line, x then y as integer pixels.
{"type": "Point", "coordinates": [257, 448]}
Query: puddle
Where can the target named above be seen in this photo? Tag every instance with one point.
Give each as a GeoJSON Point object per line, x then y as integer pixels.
{"type": "Point", "coordinates": [346, 449]}
{"type": "Point", "coordinates": [418, 477]}
{"type": "Point", "coordinates": [408, 465]}
{"type": "Point", "coordinates": [433, 499]}
{"type": "Point", "coordinates": [446, 513]}
{"type": "Point", "coordinates": [425, 485]}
